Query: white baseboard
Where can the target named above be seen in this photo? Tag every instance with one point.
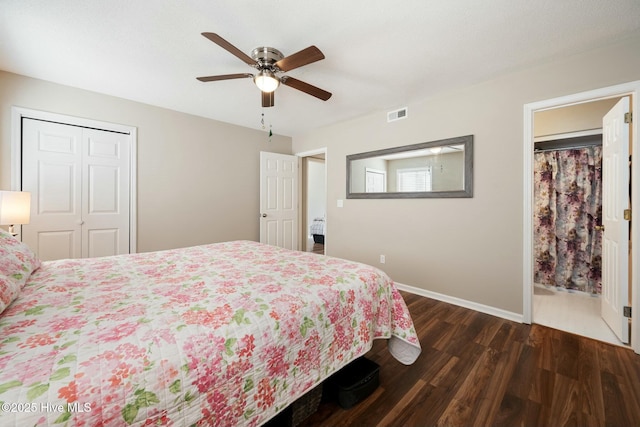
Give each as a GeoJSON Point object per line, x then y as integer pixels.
{"type": "Point", "coordinates": [515, 317]}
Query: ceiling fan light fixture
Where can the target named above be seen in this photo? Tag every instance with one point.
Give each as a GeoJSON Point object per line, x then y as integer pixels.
{"type": "Point", "coordinates": [268, 62]}
{"type": "Point", "coordinates": [266, 81]}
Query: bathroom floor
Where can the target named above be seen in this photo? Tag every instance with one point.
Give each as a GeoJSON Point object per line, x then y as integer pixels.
{"type": "Point", "coordinates": [578, 313]}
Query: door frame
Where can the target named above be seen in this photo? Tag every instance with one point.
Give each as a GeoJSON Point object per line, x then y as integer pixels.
{"type": "Point", "coordinates": [303, 233]}
{"type": "Point", "coordinates": [18, 113]}
{"type": "Point", "coordinates": [626, 89]}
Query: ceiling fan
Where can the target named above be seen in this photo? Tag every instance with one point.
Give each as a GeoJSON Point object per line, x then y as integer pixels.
{"type": "Point", "coordinates": [270, 62]}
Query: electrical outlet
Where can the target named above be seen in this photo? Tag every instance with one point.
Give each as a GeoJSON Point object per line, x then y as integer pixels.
{"type": "Point", "coordinates": [383, 259]}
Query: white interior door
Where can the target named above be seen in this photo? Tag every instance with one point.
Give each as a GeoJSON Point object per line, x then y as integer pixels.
{"type": "Point", "coordinates": [105, 205]}
{"type": "Point", "coordinates": [51, 159]}
{"type": "Point", "coordinates": [375, 181]}
{"type": "Point", "coordinates": [79, 184]}
{"type": "Point", "coordinates": [279, 200]}
{"type": "Point", "coordinates": [615, 238]}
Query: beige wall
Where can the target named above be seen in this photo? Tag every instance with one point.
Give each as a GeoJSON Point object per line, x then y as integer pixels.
{"type": "Point", "coordinates": [198, 179]}
{"type": "Point", "coordinates": [574, 118]}
{"type": "Point", "coordinates": [465, 248]}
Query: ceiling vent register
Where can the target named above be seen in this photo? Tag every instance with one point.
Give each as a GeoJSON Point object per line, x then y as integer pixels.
{"type": "Point", "coordinates": [400, 114]}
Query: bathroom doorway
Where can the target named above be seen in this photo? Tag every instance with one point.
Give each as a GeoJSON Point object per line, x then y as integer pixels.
{"type": "Point", "coordinates": [548, 303]}
{"type": "Point", "coordinates": [567, 219]}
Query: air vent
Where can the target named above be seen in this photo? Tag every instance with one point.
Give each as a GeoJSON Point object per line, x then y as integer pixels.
{"type": "Point", "coordinates": [392, 116]}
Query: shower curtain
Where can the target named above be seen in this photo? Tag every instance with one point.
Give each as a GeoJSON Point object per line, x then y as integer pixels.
{"type": "Point", "coordinates": [568, 206]}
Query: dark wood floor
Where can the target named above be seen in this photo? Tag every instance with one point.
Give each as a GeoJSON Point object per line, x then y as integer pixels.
{"type": "Point", "coordinates": [480, 370]}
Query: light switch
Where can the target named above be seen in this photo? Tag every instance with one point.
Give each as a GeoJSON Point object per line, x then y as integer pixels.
{"type": "Point", "coordinates": [340, 203]}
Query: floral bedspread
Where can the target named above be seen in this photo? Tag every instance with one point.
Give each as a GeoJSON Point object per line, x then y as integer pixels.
{"type": "Point", "coordinates": [216, 335]}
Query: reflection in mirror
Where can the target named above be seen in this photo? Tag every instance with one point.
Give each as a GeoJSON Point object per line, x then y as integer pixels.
{"type": "Point", "coordinates": [430, 169]}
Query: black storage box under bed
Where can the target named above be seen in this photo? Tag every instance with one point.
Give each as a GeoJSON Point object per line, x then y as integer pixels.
{"type": "Point", "coordinates": [354, 382]}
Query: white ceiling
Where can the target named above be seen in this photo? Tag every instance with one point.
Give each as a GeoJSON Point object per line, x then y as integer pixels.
{"type": "Point", "coordinates": [380, 55]}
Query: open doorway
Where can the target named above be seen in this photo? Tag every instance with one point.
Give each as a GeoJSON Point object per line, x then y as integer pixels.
{"type": "Point", "coordinates": [313, 210]}
{"type": "Point", "coordinates": [567, 219]}
{"type": "Point", "coordinates": [537, 296]}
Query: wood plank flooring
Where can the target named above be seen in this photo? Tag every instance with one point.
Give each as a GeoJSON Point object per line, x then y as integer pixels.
{"type": "Point", "coordinates": [480, 370]}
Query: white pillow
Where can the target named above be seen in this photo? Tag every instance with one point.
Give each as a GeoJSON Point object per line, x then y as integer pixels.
{"type": "Point", "coordinates": [17, 262]}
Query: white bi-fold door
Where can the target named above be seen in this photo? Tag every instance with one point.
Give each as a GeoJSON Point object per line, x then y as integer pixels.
{"type": "Point", "coordinates": [79, 183]}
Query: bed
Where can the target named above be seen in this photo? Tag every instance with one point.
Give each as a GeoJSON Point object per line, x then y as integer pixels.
{"type": "Point", "coordinates": [317, 230]}
{"type": "Point", "coordinates": [215, 335]}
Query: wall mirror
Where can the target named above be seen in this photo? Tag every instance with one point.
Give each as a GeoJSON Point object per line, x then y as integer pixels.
{"type": "Point", "coordinates": [433, 169]}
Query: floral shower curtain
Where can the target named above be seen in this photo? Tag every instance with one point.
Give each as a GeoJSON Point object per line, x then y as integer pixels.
{"type": "Point", "coordinates": [568, 206]}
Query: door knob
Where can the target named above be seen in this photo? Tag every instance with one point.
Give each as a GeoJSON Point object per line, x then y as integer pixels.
{"type": "Point", "coordinates": [264, 215]}
{"type": "Point", "coordinates": [599, 227]}
{"type": "Point", "coordinates": [79, 222]}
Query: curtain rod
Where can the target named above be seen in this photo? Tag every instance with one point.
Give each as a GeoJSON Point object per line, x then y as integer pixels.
{"type": "Point", "coordinates": [575, 147]}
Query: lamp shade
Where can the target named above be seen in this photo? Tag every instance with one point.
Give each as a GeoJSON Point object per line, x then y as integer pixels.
{"type": "Point", "coordinates": [15, 207]}
{"type": "Point", "coordinates": [266, 81]}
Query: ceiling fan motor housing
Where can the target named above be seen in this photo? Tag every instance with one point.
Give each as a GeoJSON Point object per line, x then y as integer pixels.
{"type": "Point", "coordinates": [267, 56]}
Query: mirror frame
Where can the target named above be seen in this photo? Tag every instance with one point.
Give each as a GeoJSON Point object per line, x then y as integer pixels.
{"type": "Point", "coordinates": [467, 192]}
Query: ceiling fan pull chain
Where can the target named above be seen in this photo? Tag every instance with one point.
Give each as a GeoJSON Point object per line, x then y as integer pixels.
{"type": "Point", "coordinates": [263, 127]}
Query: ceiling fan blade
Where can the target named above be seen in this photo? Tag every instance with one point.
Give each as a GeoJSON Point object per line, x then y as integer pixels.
{"type": "Point", "coordinates": [230, 48]}
{"type": "Point", "coordinates": [298, 59]}
{"type": "Point", "coordinates": [268, 99]}
{"type": "Point", "coordinates": [305, 87]}
{"type": "Point", "coordinates": [224, 77]}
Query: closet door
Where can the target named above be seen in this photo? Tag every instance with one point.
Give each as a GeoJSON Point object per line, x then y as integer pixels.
{"type": "Point", "coordinates": [105, 201]}
{"type": "Point", "coordinates": [51, 159]}
{"type": "Point", "coordinates": [79, 184]}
